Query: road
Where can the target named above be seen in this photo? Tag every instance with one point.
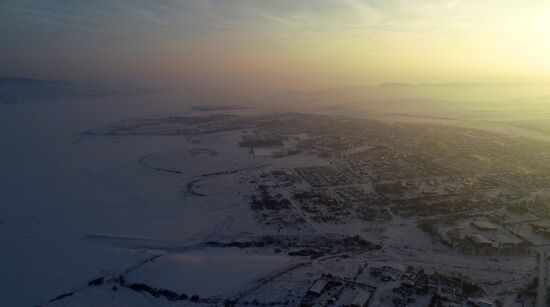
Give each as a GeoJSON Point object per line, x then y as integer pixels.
{"type": "Point", "coordinates": [289, 197]}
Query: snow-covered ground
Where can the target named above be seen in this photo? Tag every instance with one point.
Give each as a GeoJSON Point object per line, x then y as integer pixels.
{"type": "Point", "coordinates": [58, 187]}
{"type": "Point", "coordinates": [145, 219]}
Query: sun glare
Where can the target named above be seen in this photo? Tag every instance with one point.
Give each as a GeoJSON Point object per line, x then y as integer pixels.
{"type": "Point", "coordinates": [531, 38]}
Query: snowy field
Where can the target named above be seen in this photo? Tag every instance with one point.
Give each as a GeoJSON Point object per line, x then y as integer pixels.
{"type": "Point", "coordinates": [59, 187]}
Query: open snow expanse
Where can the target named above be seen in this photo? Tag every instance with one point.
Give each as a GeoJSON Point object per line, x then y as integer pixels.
{"type": "Point", "coordinates": [58, 188]}
{"type": "Point", "coordinates": [210, 272]}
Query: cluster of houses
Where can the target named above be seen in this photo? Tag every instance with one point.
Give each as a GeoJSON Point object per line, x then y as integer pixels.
{"type": "Point", "coordinates": [416, 287]}
{"type": "Point", "coordinates": [486, 238]}
{"type": "Point", "coordinates": [329, 291]}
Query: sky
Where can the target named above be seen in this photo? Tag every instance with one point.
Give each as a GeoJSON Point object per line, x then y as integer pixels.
{"type": "Point", "coordinates": [277, 45]}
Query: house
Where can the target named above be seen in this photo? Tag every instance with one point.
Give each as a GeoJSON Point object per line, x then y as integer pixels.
{"type": "Point", "coordinates": [485, 303]}
{"type": "Point", "coordinates": [361, 299]}
{"type": "Point", "coordinates": [486, 226]}
{"type": "Point", "coordinates": [480, 241]}
{"type": "Point", "coordinates": [541, 228]}
{"type": "Point", "coordinates": [318, 287]}
{"type": "Point", "coordinates": [507, 242]}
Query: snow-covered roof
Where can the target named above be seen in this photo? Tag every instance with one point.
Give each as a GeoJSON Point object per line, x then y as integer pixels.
{"type": "Point", "coordinates": [484, 225]}
{"type": "Point", "coordinates": [361, 298]}
{"type": "Point", "coordinates": [318, 286]}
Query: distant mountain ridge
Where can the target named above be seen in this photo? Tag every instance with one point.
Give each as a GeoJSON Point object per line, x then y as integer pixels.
{"type": "Point", "coordinates": [31, 81]}
{"type": "Point", "coordinates": [23, 89]}
{"type": "Point", "coordinates": [405, 85]}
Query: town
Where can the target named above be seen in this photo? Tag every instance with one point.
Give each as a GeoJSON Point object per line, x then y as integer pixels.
{"type": "Point", "coordinates": [424, 214]}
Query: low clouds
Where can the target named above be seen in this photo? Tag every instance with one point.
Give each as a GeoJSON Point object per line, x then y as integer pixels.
{"type": "Point", "coordinates": [194, 17]}
{"type": "Point", "coordinates": [189, 19]}
{"type": "Point", "coordinates": [216, 39]}
{"type": "Point", "coordinates": [186, 16]}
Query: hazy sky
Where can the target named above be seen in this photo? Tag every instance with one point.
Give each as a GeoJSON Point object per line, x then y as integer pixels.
{"type": "Point", "coordinates": [277, 44]}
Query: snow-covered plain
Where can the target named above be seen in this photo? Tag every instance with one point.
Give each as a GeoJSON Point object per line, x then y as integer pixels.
{"type": "Point", "coordinates": [58, 188]}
